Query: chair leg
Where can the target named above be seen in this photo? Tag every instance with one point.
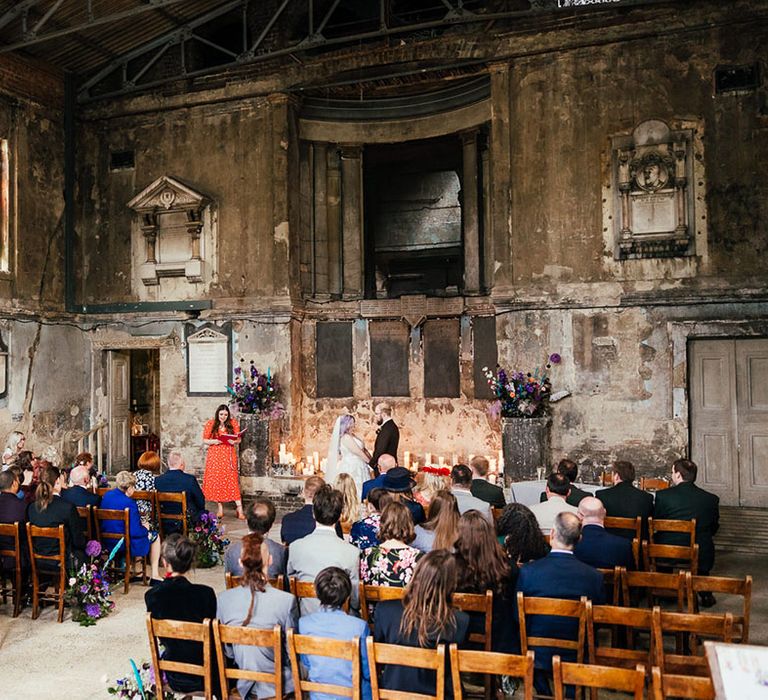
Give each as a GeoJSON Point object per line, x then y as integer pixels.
{"type": "Point", "coordinates": [35, 597]}
{"type": "Point", "coordinates": [128, 570]}
{"type": "Point", "coordinates": [17, 595]}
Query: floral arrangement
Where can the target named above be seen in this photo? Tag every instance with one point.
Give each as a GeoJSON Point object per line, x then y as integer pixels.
{"type": "Point", "coordinates": [140, 685]}
{"type": "Point", "coordinates": [521, 394]}
{"type": "Point", "coordinates": [88, 591]}
{"type": "Point", "coordinates": [254, 392]}
{"type": "Point", "coordinates": [440, 471]}
{"type": "Point", "coordinates": [209, 537]}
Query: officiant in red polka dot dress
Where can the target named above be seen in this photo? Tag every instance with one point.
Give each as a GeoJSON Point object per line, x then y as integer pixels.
{"type": "Point", "coordinates": [221, 481]}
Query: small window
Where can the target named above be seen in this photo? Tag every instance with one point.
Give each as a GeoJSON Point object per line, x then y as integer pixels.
{"type": "Point", "coordinates": [734, 79]}
{"type": "Point", "coordinates": [121, 160]}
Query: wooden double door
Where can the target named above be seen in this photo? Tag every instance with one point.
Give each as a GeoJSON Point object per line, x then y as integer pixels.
{"type": "Point", "coordinates": [728, 382]}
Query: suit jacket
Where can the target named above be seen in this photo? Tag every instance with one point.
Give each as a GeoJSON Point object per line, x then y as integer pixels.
{"type": "Point", "coordinates": [386, 629]}
{"type": "Point", "coordinates": [60, 512]}
{"type": "Point", "coordinates": [415, 509]}
{"type": "Point", "coordinates": [14, 510]}
{"type": "Point", "coordinates": [80, 497]}
{"type": "Point", "coordinates": [558, 575]}
{"type": "Point", "coordinates": [387, 440]}
{"type": "Point", "coordinates": [625, 501]}
{"type": "Point", "coordinates": [178, 481]}
{"type": "Point", "coordinates": [685, 502]}
{"type": "Point", "coordinates": [376, 483]}
{"type": "Point", "coordinates": [276, 568]}
{"type": "Point", "coordinates": [546, 512]}
{"type": "Point", "coordinates": [178, 599]}
{"type": "Point", "coordinates": [601, 549]}
{"type": "Point", "coordinates": [488, 492]}
{"type": "Point", "coordinates": [299, 524]}
{"type": "Point", "coordinates": [311, 554]}
{"type": "Point", "coordinates": [269, 608]}
{"type": "Point", "coordinates": [574, 497]}
{"type": "Point", "coordinates": [467, 501]}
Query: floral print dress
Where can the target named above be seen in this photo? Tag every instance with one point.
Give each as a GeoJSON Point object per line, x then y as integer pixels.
{"type": "Point", "coordinates": [365, 533]}
{"type": "Point", "coordinates": [389, 566]}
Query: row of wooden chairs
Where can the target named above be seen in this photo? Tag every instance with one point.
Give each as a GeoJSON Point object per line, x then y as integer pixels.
{"type": "Point", "coordinates": [646, 483]}
{"type": "Point", "coordinates": [157, 500]}
{"type": "Point", "coordinates": [521, 666]}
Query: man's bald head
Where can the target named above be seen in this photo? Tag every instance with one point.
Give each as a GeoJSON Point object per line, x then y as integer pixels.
{"type": "Point", "coordinates": [386, 462]}
{"type": "Point", "coordinates": [566, 531]}
{"type": "Point", "coordinates": [80, 476]}
{"type": "Point", "coordinates": [591, 511]}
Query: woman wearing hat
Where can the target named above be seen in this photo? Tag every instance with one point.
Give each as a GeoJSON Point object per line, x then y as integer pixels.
{"type": "Point", "coordinates": [399, 483]}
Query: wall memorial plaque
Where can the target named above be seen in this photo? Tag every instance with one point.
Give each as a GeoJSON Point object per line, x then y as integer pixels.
{"type": "Point", "coordinates": [333, 359]}
{"type": "Point", "coordinates": [389, 358]}
{"type": "Point", "coordinates": [441, 358]}
{"type": "Point", "coordinates": [485, 353]}
{"type": "Point", "coordinates": [209, 362]}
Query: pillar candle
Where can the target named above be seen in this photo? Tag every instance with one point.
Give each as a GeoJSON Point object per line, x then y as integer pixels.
{"type": "Point", "coordinates": [428, 458]}
{"type": "Point", "coordinates": [316, 455]}
{"type": "Point", "coordinates": [407, 459]}
{"type": "Point", "coordinates": [441, 461]}
{"type": "Point", "coordinates": [454, 459]}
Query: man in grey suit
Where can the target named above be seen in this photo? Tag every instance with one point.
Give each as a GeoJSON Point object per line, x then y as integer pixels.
{"type": "Point", "coordinates": [461, 479]}
{"type": "Point", "coordinates": [260, 518]}
{"type": "Point", "coordinates": [322, 548]}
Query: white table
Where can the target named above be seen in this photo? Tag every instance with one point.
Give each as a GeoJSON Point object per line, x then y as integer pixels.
{"type": "Point", "coordinates": [529, 492]}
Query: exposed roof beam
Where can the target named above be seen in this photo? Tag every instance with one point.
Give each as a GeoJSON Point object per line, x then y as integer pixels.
{"type": "Point", "coordinates": [88, 24]}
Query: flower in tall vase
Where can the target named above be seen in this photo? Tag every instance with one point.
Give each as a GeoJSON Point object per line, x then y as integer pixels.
{"type": "Point", "coordinates": [254, 392]}
{"type": "Point", "coordinates": [521, 394]}
{"type": "Point", "coordinates": [208, 536]}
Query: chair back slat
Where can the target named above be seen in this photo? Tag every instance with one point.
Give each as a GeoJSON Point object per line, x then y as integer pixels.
{"type": "Point", "coordinates": [249, 636]}
{"type": "Point", "coordinates": [233, 581]}
{"type": "Point", "coordinates": [10, 581]}
{"type": "Point", "coordinates": [306, 589]}
{"type": "Point", "coordinates": [717, 627]}
{"type": "Point", "coordinates": [412, 657]}
{"type": "Point", "coordinates": [557, 607]}
{"type": "Point", "coordinates": [654, 583]}
{"type": "Point", "coordinates": [321, 646]}
{"type": "Point", "coordinates": [687, 527]}
{"type": "Point", "coordinates": [729, 586]}
{"type": "Point", "coordinates": [669, 685]}
{"type": "Point", "coordinates": [675, 555]}
{"type": "Point", "coordinates": [648, 483]}
{"type": "Point", "coordinates": [631, 620]}
{"type": "Point", "coordinates": [633, 524]}
{"type": "Point", "coordinates": [592, 676]}
{"type": "Point", "coordinates": [165, 497]}
{"type": "Point", "coordinates": [494, 663]}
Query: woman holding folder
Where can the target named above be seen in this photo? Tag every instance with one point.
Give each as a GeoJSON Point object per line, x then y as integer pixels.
{"type": "Point", "coordinates": [221, 480]}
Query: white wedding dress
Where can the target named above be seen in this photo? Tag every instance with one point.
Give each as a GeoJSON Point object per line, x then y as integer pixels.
{"type": "Point", "coordinates": [341, 460]}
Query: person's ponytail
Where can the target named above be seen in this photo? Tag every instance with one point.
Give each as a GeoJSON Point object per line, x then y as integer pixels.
{"type": "Point", "coordinates": [43, 496]}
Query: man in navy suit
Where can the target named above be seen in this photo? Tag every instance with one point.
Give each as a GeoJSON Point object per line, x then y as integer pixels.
{"type": "Point", "coordinates": [558, 575]}
{"type": "Point", "coordinates": [598, 547]}
{"type": "Point", "coordinates": [386, 462]}
{"type": "Point", "coordinates": [301, 522]}
{"type": "Point", "coordinates": [77, 494]}
{"type": "Point", "coordinates": [175, 480]}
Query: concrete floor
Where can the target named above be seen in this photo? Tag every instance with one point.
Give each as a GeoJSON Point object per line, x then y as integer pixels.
{"type": "Point", "coordinates": [43, 659]}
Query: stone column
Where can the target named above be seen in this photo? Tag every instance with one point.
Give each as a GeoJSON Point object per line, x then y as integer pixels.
{"type": "Point", "coordinates": [352, 208]}
{"type": "Point", "coordinates": [333, 221]}
{"type": "Point", "coordinates": [320, 221]}
{"type": "Point", "coordinates": [470, 213]}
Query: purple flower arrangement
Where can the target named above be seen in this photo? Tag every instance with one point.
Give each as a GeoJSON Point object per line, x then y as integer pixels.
{"type": "Point", "coordinates": [209, 538]}
{"type": "Point", "coordinates": [521, 394]}
{"type": "Point", "coordinates": [254, 392]}
{"type": "Point", "coordinates": [140, 685]}
{"type": "Point", "coordinates": [88, 592]}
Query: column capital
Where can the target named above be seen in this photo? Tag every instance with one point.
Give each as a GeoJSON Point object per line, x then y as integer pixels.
{"type": "Point", "coordinates": [469, 136]}
{"type": "Point", "coordinates": [351, 150]}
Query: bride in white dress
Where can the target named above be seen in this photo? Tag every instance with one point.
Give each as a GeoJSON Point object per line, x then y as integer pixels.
{"type": "Point", "coordinates": [347, 454]}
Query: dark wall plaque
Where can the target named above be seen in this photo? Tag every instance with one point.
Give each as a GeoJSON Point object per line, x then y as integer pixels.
{"type": "Point", "coordinates": [485, 353]}
{"type": "Point", "coordinates": [441, 358]}
{"type": "Point", "coordinates": [389, 358]}
{"type": "Point", "coordinates": [333, 358]}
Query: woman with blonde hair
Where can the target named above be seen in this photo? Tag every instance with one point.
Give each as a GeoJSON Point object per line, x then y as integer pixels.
{"type": "Point", "coordinates": [430, 481]}
{"type": "Point", "coordinates": [442, 527]}
{"type": "Point", "coordinates": [350, 513]}
{"type": "Point", "coordinates": [13, 445]}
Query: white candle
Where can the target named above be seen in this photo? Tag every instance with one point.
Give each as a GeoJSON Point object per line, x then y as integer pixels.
{"type": "Point", "coordinates": [492, 465]}
{"type": "Point", "coordinates": [323, 462]}
{"type": "Point", "coordinates": [310, 461]}
{"type": "Point", "coordinates": [407, 459]}
{"type": "Point", "coordinates": [501, 460]}
{"type": "Point", "coordinates": [471, 457]}
{"type": "Point", "coordinates": [454, 458]}
{"type": "Point", "coordinates": [428, 458]}
{"type": "Point", "coordinates": [316, 455]}
{"type": "Point", "coordinates": [441, 461]}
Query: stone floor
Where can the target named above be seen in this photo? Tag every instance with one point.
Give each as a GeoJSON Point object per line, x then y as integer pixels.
{"type": "Point", "coordinates": [43, 659]}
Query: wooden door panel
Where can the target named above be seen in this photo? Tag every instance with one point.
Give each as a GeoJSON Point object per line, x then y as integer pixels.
{"type": "Point", "coordinates": [716, 460]}
{"type": "Point", "coordinates": [752, 402]}
{"type": "Point", "coordinates": [119, 390]}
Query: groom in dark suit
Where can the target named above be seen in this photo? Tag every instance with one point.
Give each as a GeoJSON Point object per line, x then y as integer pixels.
{"type": "Point", "coordinates": [387, 436]}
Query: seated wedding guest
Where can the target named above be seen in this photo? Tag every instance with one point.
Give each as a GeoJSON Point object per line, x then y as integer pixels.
{"type": "Point", "coordinates": [365, 532]}
{"type": "Point", "coordinates": [399, 483]}
{"type": "Point", "coordinates": [143, 542]}
{"type": "Point", "coordinates": [78, 493]}
{"type": "Point", "coordinates": [520, 535]}
{"type": "Point", "coordinates": [31, 468]}
{"type": "Point", "coordinates": [176, 598]}
{"type": "Point", "coordinates": [301, 522]}
{"type": "Point", "coordinates": [569, 469]}
{"type": "Point", "coordinates": [424, 618]}
{"type": "Point", "coordinates": [13, 445]}
{"type": "Point", "coordinates": [442, 527]}
{"type": "Point", "coordinates": [430, 480]}
{"type": "Point", "coordinates": [351, 512]}
{"type": "Point", "coordinates": [625, 500]}
{"type": "Point", "coordinates": [12, 510]}
{"type": "Point", "coordinates": [558, 488]}
{"type": "Point", "coordinates": [598, 547]}
{"type": "Point", "coordinates": [333, 589]}
{"type": "Point", "coordinates": [483, 566]}
{"type": "Point", "coordinates": [392, 562]}
{"type": "Point", "coordinates": [322, 547]}
{"type": "Point", "coordinates": [481, 487]}
{"type": "Point", "coordinates": [175, 480]}
{"type": "Point", "coordinates": [385, 463]}
{"type": "Point", "coordinates": [461, 480]}
{"type": "Point", "coordinates": [148, 468]}
{"type": "Point", "coordinates": [260, 517]}
{"type": "Point", "coordinates": [49, 509]}
{"type": "Point", "coordinates": [84, 459]}
{"type": "Point", "coordinates": [257, 604]}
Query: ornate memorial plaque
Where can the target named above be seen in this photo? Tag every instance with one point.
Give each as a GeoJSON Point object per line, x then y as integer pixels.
{"type": "Point", "coordinates": [208, 363]}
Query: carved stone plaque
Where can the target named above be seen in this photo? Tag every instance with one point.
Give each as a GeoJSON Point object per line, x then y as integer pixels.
{"type": "Point", "coordinates": [333, 357]}
{"type": "Point", "coordinates": [389, 358]}
{"type": "Point", "coordinates": [208, 363]}
{"type": "Point", "coordinates": [485, 353]}
{"type": "Point", "coordinates": [441, 358]}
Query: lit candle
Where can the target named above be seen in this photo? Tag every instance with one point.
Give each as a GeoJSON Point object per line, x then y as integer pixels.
{"type": "Point", "coordinates": [281, 457]}
{"type": "Point", "coordinates": [416, 465]}
{"type": "Point", "coordinates": [407, 459]}
{"type": "Point", "coordinates": [492, 465]}
{"type": "Point", "coordinates": [441, 461]}
{"type": "Point", "coordinates": [471, 457]}
{"type": "Point", "coordinates": [454, 458]}
{"type": "Point", "coordinates": [310, 460]}
{"type": "Point", "coordinates": [501, 460]}
{"type": "Point", "coordinates": [316, 455]}
{"type": "Point", "coordinates": [323, 462]}
{"type": "Point", "coordinates": [428, 458]}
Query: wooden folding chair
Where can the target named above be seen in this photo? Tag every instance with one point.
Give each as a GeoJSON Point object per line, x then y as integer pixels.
{"type": "Point", "coordinates": [482, 604]}
{"type": "Point", "coordinates": [631, 619]}
{"type": "Point", "coordinates": [692, 627]}
{"type": "Point", "coordinates": [493, 663]}
{"type": "Point", "coordinates": [648, 483]}
{"type": "Point", "coordinates": [306, 589]}
{"type": "Point", "coordinates": [413, 657]}
{"type": "Point", "coordinates": [576, 609]}
{"type": "Point", "coordinates": [602, 677]}
{"type": "Point", "coordinates": [370, 595]}
{"type": "Point", "coordinates": [233, 581]}
{"type": "Point", "coordinates": [670, 556]}
{"type": "Point", "coordinates": [667, 685]}
{"type": "Point", "coordinates": [728, 586]}
{"type": "Point", "coordinates": [331, 648]}
{"type": "Point", "coordinates": [635, 525]}
{"type": "Point", "coordinates": [102, 491]}
{"type": "Point", "coordinates": [685, 529]}
{"type": "Point", "coordinates": [57, 572]}
{"type": "Point", "coordinates": [148, 496]}
{"type": "Point", "coordinates": [159, 630]}
{"type": "Point", "coordinates": [10, 578]}
{"type": "Point", "coordinates": [271, 639]}
{"type": "Point", "coordinates": [110, 540]}
{"type": "Point", "coordinates": [86, 515]}
{"type": "Point", "coordinates": [612, 583]}
{"type": "Point", "coordinates": [653, 585]}
{"type": "Point", "coordinates": [606, 477]}
{"type": "Point", "coordinates": [163, 498]}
